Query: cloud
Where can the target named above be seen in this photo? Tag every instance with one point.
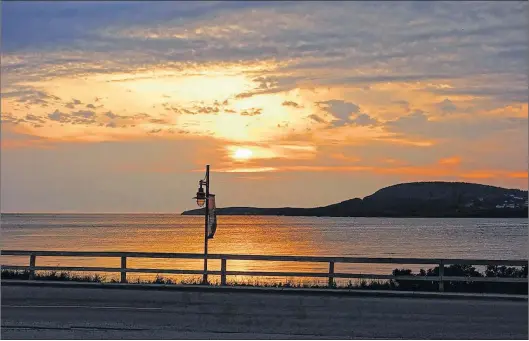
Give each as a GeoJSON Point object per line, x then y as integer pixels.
{"type": "Point", "coordinates": [77, 117]}
{"type": "Point", "coordinates": [158, 121]}
{"type": "Point", "coordinates": [33, 120]}
{"type": "Point", "coordinates": [450, 161]}
{"type": "Point", "coordinates": [84, 114]}
{"type": "Point", "coordinates": [447, 106]}
{"type": "Point", "coordinates": [291, 104]}
{"type": "Point", "coordinates": [112, 116]}
{"type": "Point", "coordinates": [207, 110]}
{"type": "Point", "coordinates": [215, 108]}
{"type": "Point", "coordinates": [73, 103]}
{"type": "Point", "coordinates": [449, 171]}
{"type": "Point", "coordinates": [418, 124]}
{"type": "Point", "coordinates": [271, 85]}
{"type": "Point", "coordinates": [253, 93]}
{"type": "Point", "coordinates": [375, 89]}
{"type": "Point", "coordinates": [140, 116]}
{"type": "Point", "coordinates": [507, 94]}
{"type": "Point", "coordinates": [251, 112]}
{"type": "Point", "coordinates": [246, 95]}
{"type": "Point", "coordinates": [10, 118]}
{"type": "Point", "coordinates": [405, 105]}
{"type": "Point", "coordinates": [31, 117]}
{"type": "Point", "coordinates": [266, 83]}
{"type": "Point", "coordinates": [410, 122]}
{"type": "Point", "coordinates": [364, 120]}
{"type": "Point", "coordinates": [316, 118]}
{"type": "Point", "coordinates": [59, 116]}
{"type": "Point", "coordinates": [340, 110]}
{"type": "Point", "coordinates": [345, 113]}
{"type": "Point", "coordinates": [29, 96]}
{"type": "Point", "coordinates": [247, 170]}
{"type": "Point", "coordinates": [319, 34]}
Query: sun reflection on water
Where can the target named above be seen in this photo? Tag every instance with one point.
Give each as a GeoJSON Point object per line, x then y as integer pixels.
{"type": "Point", "coordinates": [301, 236]}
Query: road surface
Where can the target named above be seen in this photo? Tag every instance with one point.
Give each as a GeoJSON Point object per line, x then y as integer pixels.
{"type": "Point", "coordinates": [30, 312]}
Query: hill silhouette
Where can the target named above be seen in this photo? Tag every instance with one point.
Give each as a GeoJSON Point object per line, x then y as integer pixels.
{"type": "Point", "coordinates": [416, 199]}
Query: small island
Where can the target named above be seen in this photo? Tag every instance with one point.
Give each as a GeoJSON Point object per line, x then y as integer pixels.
{"type": "Point", "coordinates": [416, 199]}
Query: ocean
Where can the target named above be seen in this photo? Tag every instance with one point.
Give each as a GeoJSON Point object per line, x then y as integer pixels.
{"type": "Point", "coordinates": [263, 235]}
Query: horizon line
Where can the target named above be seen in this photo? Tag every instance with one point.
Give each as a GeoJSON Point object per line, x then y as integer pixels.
{"type": "Point", "coordinates": [78, 212]}
{"type": "Point", "coordinates": [180, 213]}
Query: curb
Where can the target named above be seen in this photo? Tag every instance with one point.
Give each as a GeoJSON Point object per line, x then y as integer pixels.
{"type": "Point", "coordinates": [265, 290]}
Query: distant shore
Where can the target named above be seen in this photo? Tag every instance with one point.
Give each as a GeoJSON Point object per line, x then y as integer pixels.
{"type": "Point", "coordinates": [307, 212]}
{"type": "Point", "coordinates": [436, 199]}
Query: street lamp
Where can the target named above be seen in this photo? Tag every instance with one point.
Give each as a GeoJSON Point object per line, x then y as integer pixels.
{"type": "Point", "coordinates": [202, 198]}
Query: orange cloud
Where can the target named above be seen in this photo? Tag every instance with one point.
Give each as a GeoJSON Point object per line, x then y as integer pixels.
{"type": "Point", "coordinates": [478, 174]}
{"type": "Point", "coordinates": [392, 161]}
{"type": "Point", "coordinates": [340, 156]}
{"type": "Point", "coordinates": [450, 161]}
{"type": "Point", "coordinates": [444, 168]}
{"type": "Point", "coordinates": [407, 141]}
{"type": "Point", "coordinates": [488, 174]}
{"type": "Point", "coordinates": [431, 171]}
{"type": "Point", "coordinates": [325, 168]}
{"type": "Point", "coordinates": [519, 175]}
{"type": "Point", "coordinates": [244, 170]}
{"type": "Point", "coordinates": [512, 110]}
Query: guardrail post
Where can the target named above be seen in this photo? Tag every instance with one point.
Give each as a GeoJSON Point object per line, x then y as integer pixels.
{"type": "Point", "coordinates": [441, 274]}
{"type": "Point", "coordinates": [331, 272]}
{"type": "Point", "coordinates": [223, 271]}
{"type": "Point", "coordinates": [123, 269]}
{"type": "Point", "coordinates": [32, 261]}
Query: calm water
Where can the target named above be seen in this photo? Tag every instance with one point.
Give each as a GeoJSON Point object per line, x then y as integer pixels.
{"type": "Point", "coordinates": [314, 236]}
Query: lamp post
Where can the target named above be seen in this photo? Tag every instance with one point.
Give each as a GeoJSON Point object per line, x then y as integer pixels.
{"type": "Point", "coordinates": [202, 198]}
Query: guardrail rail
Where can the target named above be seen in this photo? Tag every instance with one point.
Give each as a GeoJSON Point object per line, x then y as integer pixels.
{"type": "Point", "coordinates": [224, 272]}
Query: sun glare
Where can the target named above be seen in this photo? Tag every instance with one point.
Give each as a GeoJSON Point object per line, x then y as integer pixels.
{"type": "Point", "coordinates": [242, 154]}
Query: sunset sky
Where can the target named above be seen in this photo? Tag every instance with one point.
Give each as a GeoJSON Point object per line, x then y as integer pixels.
{"type": "Point", "coordinates": [118, 106]}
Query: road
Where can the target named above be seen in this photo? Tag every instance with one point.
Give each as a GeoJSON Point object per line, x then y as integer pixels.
{"type": "Point", "coordinates": [30, 312]}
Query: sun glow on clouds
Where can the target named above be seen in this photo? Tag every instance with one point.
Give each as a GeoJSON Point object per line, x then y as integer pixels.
{"type": "Point", "coordinates": [299, 90]}
{"type": "Point", "coordinates": [198, 101]}
{"type": "Point", "coordinates": [242, 154]}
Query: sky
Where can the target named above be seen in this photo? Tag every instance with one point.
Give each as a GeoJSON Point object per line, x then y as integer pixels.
{"type": "Point", "coordinates": [118, 106]}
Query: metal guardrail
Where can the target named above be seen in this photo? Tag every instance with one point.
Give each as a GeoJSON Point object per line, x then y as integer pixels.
{"type": "Point", "coordinates": [224, 272]}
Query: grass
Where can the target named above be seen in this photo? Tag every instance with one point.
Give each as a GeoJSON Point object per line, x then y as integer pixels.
{"type": "Point", "coordinates": [52, 276]}
{"type": "Point", "coordinates": [68, 276]}
{"type": "Point", "coordinates": [402, 285]}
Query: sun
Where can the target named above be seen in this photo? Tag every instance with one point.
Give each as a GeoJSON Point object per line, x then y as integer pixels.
{"type": "Point", "coordinates": [242, 154]}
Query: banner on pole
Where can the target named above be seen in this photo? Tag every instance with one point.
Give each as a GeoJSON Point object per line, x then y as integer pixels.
{"type": "Point", "coordinates": [212, 218]}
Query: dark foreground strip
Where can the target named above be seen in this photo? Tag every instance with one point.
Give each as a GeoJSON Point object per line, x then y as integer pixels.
{"type": "Point", "coordinates": [266, 290]}
{"type": "Point", "coordinates": [185, 330]}
{"type": "Point", "coordinates": [73, 328]}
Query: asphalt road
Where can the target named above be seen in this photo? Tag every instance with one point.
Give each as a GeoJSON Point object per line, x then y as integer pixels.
{"type": "Point", "coordinates": [95, 313]}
